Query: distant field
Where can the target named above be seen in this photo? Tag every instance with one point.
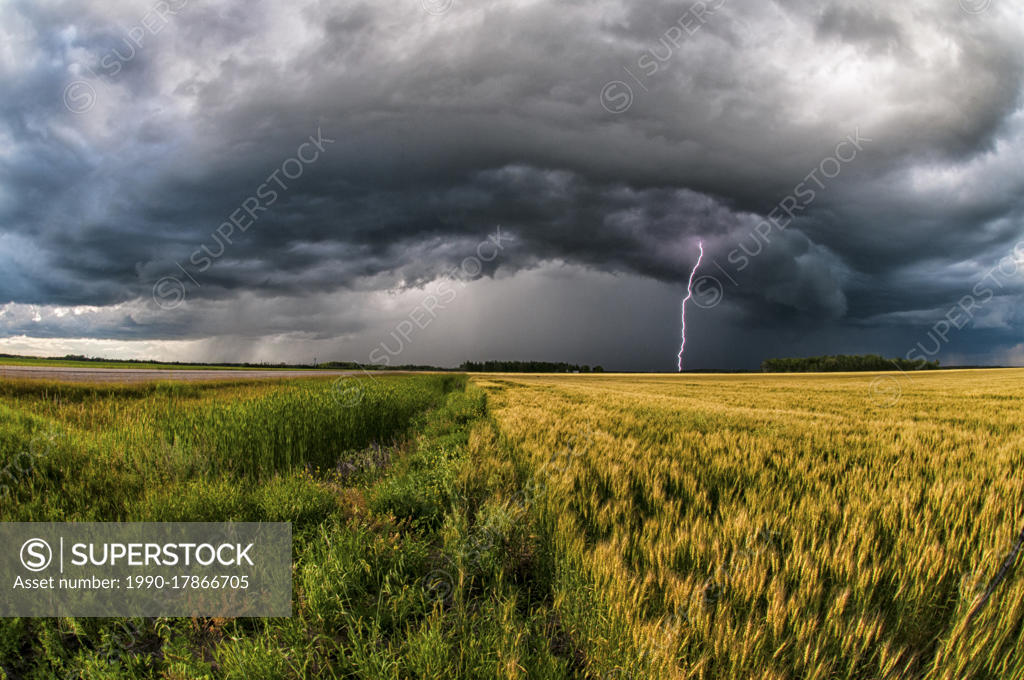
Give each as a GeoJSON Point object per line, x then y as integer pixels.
{"type": "Point", "coordinates": [108, 376]}
{"type": "Point", "coordinates": [74, 363]}
{"type": "Point", "coordinates": [542, 526]}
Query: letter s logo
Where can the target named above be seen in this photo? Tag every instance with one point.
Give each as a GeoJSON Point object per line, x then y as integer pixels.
{"type": "Point", "coordinates": [36, 554]}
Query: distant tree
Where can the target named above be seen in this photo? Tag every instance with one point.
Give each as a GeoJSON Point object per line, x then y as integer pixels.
{"type": "Point", "coordinates": [844, 362]}
{"type": "Point", "coordinates": [523, 367]}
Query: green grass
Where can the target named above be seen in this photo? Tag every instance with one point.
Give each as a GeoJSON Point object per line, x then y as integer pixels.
{"type": "Point", "coordinates": [106, 453]}
{"type": "Point", "coordinates": [413, 555]}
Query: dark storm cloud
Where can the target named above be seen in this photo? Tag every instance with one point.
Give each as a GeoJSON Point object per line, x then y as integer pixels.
{"type": "Point", "coordinates": [444, 126]}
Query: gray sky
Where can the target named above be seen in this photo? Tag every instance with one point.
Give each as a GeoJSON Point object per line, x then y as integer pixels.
{"type": "Point", "coordinates": [428, 181]}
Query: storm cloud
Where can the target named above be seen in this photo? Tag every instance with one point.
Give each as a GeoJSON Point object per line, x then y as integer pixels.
{"type": "Point", "coordinates": [234, 174]}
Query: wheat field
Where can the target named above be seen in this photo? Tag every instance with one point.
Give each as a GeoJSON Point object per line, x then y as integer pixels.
{"type": "Point", "coordinates": [596, 527]}
{"type": "Point", "coordinates": [781, 526]}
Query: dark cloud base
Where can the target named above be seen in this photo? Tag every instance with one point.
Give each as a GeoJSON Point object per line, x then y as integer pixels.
{"type": "Point", "coordinates": [285, 165]}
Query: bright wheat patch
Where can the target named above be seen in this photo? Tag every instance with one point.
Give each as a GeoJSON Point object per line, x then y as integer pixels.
{"type": "Point", "coordinates": [787, 526]}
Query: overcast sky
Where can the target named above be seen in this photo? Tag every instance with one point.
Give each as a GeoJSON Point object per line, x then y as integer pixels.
{"type": "Point", "coordinates": [429, 181]}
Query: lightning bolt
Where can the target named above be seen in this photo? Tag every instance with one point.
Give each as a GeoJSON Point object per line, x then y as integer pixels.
{"type": "Point", "coordinates": [689, 296]}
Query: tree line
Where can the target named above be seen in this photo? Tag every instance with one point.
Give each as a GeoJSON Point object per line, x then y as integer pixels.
{"type": "Point", "coordinates": [844, 362]}
{"type": "Point", "coordinates": [527, 367]}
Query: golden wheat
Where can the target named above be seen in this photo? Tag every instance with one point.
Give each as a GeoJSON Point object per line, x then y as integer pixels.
{"type": "Point", "coordinates": [779, 526]}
